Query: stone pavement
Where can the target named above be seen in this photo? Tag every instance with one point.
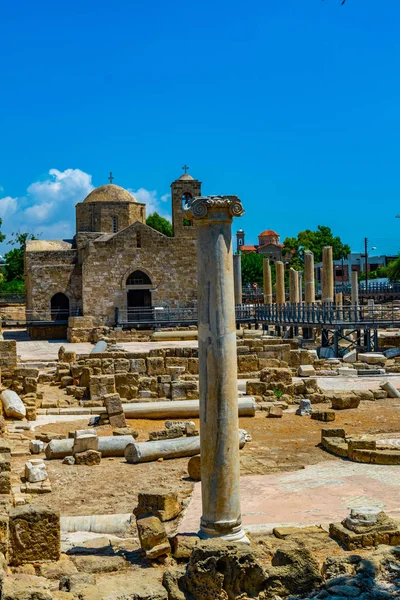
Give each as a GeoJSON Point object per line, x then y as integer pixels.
{"type": "Point", "coordinates": [318, 494]}
{"type": "Point", "coordinates": [39, 351]}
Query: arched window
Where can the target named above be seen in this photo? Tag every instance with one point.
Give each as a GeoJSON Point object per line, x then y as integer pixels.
{"type": "Point", "coordinates": [115, 224]}
{"type": "Point", "coordinates": [138, 239]}
{"type": "Point", "coordinates": [138, 278]}
{"type": "Point", "coordinates": [185, 198]}
{"type": "Point", "coordinates": [59, 307]}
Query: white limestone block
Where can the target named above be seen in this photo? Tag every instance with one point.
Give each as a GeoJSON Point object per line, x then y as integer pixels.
{"type": "Point", "coordinates": [13, 405]}
{"type": "Point", "coordinates": [35, 470]}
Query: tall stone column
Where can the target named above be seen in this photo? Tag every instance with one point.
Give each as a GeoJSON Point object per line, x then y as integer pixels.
{"type": "Point", "coordinates": [237, 277]}
{"type": "Point", "coordinates": [280, 282]}
{"type": "Point", "coordinates": [309, 277]}
{"type": "Point", "coordinates": [339, 304]}
{"type": "Point", "coordinates": [327, 275]}
{"type": "Point", "coordinates": [267, 280]}
{"type": "Point", "coordinates": [294, 286]}
{"type": "Point", "coordinates": [221, 516]}
{"type": "Point", "coordinates": [354, 288]}
{"type": "Point", "coordinates": [300, 276]}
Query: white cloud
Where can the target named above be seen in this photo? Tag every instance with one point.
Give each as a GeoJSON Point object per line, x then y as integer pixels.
{"type": "Point", "coordinates": [48, 207]}
{"type": "Point", "coordinates": [153, 202]}
{"type": "Point", "coordinates": [8, 206]}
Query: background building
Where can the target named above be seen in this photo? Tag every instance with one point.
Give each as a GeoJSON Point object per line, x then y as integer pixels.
{"type": "Point", "coordinates": [268, 244]}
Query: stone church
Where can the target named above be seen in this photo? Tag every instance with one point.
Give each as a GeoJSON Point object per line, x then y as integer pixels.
{"type": "Point", "coordinates": [115, 262]}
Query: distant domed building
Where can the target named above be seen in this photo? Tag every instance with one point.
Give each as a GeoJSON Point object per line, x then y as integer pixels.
{"type": "Point", "coordinates": [268, 244]}
{"type": "Point", "coordinates": [115, 263]}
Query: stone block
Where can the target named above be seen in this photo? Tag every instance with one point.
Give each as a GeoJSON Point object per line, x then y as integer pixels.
{"type": "Point", "coordinates": [372, 358]}
{"type": "Point", "coordinates": [345, 401]}
{"type": "Point", "coordinates": [69, 356]}
{"type": "Point", "coordinates": [255, 387]}
{"type": "Point", "coordinates": [332, 432]}
{"type": "Point", "coordinates": [122, 365]}
{"type": "Point", "coordinates": [193, 366]}
{"type": "Point", "coordinates": [101, 385]}
{"type": "Point", "coordinates": [275, 412]}
{"type": "Point", "coordinates": [89, 458]}
{"type": "Point", "coordinates": [117, 420]}
{"type": "Point", "coordinates": [85, 440]}
{"type": "Point", "coordinates": [182, 545]}
{"type": "Point", "coordinates": [155, 365]}
{"type": "Point", "coordinates": [66, 381]}
{"type": "Point", "coordinates": [113, 404]}
{"type": "Point", "coordinates": [35, 470]}
{"type": "Point", "coordinates": [34, 534]}
{"type": "Point", "coordinates": [194, 468]}
{"type": "Point", "coordinates": [30, 385]}
{"type": "Point", "coordinates": [350, 357]}
{"type": "Point", "coordinates": [323, 415]}
{"type": "Point", "coordinates": [166, 434]}
{"type": "Point", "coordinates": [176, 361]}
{"type": "Point", "coordinates": [153, 537]}
{"type": "Point", "coordinates": [5, 482]}
{"type": "Point", "coordinates": [276, 375]}
{"type": "Point", "coordinates": [5, 462]}
{"type": "Point", "coordinates": [138, 365]}
{"type": "Point", "coordinates": [84, 380]}
{"type": "Point", "coordinates": [164, 505]}
{"type": "Point", "coordinates": [306, 371]}
{"type": "Point", "coordinates": [247, 363]}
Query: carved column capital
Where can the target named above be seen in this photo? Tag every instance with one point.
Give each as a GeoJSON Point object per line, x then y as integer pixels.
{"type": "Point", "coordinates": [203, 207]}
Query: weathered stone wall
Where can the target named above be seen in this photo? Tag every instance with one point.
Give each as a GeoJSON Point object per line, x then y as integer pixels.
{"type": "Point", "coordinates": [8, 356]}
{"type": "Point", "coordinates": [48, 273]}
{"type": "Point", "coordinates": [13, 310]}
{"type": "Point", "coordinates": [170, 264]}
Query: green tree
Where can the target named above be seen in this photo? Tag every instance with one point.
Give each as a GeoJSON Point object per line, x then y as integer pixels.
{"type": "Point", "coordinates": [14, 267]}
{"type": "Point", "coordinates": [393, 270]}
{"type": "Point", "coordinates": [314, 241]}
{"type": "Point", "coordinates": [159, 224]}
{"type": "Point", "coordinates": [252, 269]}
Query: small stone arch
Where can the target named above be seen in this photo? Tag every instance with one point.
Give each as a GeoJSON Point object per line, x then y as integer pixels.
{"type": "Point", "coordinates": [59, 307]}
{"type": "Point", "coordinates": [138, 277]}
{"type": "Point", "coordinates": [131, 271]}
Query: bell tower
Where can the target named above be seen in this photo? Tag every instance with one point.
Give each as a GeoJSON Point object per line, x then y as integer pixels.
{"type": "Point", "coordinates": [183, 189]}
{"type": "Point", "coordinates": [239, 240]}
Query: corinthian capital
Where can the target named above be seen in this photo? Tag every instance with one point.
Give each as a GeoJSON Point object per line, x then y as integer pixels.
{"type": "Point", "coordinates": [201, 207]}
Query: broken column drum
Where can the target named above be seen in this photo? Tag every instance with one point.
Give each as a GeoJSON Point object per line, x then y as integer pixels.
{"type": "Point", "coordinates": [221, 515]}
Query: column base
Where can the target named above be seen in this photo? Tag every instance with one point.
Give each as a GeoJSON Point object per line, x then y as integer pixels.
{"type": "Point", "coordinates": [236, 534]}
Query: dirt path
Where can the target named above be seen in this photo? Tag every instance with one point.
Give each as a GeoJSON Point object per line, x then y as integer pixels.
{"type": "Point", "coordinates": [278, 445]}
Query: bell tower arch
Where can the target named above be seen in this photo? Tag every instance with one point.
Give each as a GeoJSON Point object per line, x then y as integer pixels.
{"type": "Point", "coordinates": [183, 189]}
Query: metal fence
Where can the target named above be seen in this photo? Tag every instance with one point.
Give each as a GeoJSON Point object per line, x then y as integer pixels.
{"type": "Point", "coordinates": [317, 314]}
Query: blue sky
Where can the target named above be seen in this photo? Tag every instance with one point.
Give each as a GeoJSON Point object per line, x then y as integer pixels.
{"type": "Point", "coordinates": [291, 104]}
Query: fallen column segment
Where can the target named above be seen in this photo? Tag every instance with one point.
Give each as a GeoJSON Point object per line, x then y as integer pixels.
{"type": "Point", "coordinates": [180, 409]}
{"type": "Point", "coordinates": [175, 448]}
{"type": "Point", "coordinates": [107, 445]}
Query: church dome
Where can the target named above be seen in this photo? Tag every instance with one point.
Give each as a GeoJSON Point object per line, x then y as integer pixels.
{"type": "Point", "coordinates": [110, 193]}
{"type": "Point", "coordinates": [186, 177]}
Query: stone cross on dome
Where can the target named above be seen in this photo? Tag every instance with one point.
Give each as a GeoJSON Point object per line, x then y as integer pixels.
{"type": "Point", "coordinates": [111, 178]}
{"type": "Point", "coordinates": [185, 168]}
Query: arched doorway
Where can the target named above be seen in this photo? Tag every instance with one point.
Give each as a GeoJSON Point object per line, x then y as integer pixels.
{"type": "Point", "coordinates": [138, 295]}
{"type": "Point", "coordinates": [59, 307]}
